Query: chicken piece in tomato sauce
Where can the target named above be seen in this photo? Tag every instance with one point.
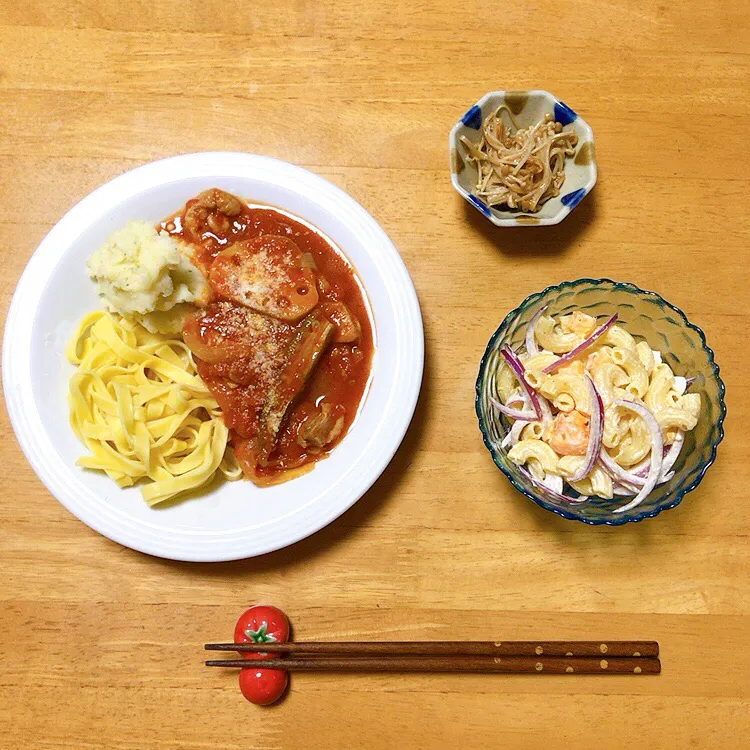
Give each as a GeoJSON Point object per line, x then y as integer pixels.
{"type": "Point", "coordinates": [212, 212]}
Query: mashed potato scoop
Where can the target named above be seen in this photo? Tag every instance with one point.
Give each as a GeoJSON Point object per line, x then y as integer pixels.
{"type": "Point", "coordinates": [148, 276]}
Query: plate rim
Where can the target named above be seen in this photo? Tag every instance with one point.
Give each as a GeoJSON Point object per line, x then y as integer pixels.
{"type": "Point", "coordinates": [31, 435]}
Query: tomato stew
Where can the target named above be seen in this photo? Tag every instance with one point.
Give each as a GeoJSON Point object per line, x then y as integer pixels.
{"type": "Point", "coordinates": [286, 343]}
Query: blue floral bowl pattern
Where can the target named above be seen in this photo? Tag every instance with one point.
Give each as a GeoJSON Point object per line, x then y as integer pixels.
{"type": "Point", "coordinates": [528, 107]}
{"type": "Point", "coordinates": [664, 327]}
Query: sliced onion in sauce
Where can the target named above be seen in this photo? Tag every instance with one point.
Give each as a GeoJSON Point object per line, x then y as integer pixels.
{"type": "Point", "coordinates": [671, 455]}
{"type": "Point", "coordinates": [622, 490]}
{"type": "Point", "coordinates": [553, 482]}
{"type": "Point", "coordinates": [552, 493]}
{"type": "Point", "coordinates": [573, 353]}
{"type": "Point", "coordinates": [517, 398]}
{"type": "Point", "coordinates": [514, 434]}
{"type": "Point", "coordinates": [517, 414]}
{"type": "Point", "coordinates": [617, 472]}
{"type": "Point", "coordinates": [657, 446]}
{"type": "Point", "coordinates": [546, 410]}
{"type": "Point", "coordinates": [531, 345]}
{"type": "Point", "coordinates": [518, 369]}
{"type": "Point", "coordinates": [596, 425]}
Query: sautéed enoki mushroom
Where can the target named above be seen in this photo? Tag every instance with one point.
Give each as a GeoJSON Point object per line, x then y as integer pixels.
{"type": "Point", "coordinates": [519, 169]}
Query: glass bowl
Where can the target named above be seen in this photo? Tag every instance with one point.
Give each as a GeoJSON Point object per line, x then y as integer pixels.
{"type": "Point", "coordinates": [664, 327]}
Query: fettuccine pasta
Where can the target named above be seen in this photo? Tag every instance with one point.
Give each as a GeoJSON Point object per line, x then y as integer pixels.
{"type": "Point", "coordinates": [141, 410]}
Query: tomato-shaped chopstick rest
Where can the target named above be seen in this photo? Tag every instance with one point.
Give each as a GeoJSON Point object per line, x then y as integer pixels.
{"type": "Point", "coordinates": [262, 624]}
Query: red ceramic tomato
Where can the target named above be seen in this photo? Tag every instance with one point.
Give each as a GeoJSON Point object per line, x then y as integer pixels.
{"type": "Point", "coordinates": [262, 624]}
{"type": "Point", "coordinates": [262, 686]}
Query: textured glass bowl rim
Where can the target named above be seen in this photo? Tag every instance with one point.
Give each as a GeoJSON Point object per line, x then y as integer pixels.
{"type": "Point", "coordinates": [672, 500]}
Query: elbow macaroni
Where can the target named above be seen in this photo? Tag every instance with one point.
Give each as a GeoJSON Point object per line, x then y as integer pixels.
{"type": "Point", "coordinates": [609, 380]}
{"type": "Point", "coordinates": [567, 392]}
{"type": "Point", "coordinates": [553, 338]}
{"type": "Point", "coordinates": [505, 382]}
{"type": "Point", "coordinates": [646, 355]}
{"type": "Point", "coordinates": [538, 450]}
{"type": "Point", "coordinates": [620, 368]}
{"type": "Point", "coordinates": [637, 374]}
{"type": "Point", "coordinates": [618, 336]}
{"type": "Point", "coordinates": [635, 445]}
{"type": "Point", "coordinates": [579, 323]}
{"type": "Point", "coordinates": [598, 482]}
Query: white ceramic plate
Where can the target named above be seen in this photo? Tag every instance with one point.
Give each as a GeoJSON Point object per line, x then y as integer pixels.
{"type": "Point", "coordinates": [234, 520]}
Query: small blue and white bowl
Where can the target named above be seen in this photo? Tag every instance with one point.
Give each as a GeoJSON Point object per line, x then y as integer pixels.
{"type": "Point", "coordinates": [528, 107]}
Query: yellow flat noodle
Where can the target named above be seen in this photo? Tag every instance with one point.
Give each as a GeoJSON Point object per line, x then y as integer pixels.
{"type": "Point", "coordinates": [80, 343]}
{"type": "Point", "coordinates": [229, 466]}
{"type": "Point", "coordinates": [138, 405]}
{"type": "Point", "coordinates": [211, 454]}
{"type": "Point", "coordinates": [109, 334]}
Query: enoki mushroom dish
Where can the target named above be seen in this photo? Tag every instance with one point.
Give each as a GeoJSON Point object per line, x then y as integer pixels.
{"type": "Point", "coordinates": [519, 168]}
{"type": "Point", "coordinates": [235, 339]}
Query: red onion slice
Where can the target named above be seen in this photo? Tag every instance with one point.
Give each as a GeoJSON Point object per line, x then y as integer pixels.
{"type": "Point", "coordinates": [641, 468]}
{"type": "Point", "coordinates": [636, 475]}
{"type": "Point", "coordinates": [596, 424]}
{"type": "Point", "coordinates": [573, 353]}
{"type": "Point", "coordinates": [516, 365]}
{"type": "Point", "coordinates": [657, 447]}
{"type": "Point", "coordinates": [672, 454]}
{"type": "Point", "coordinates": [523, 416]}
{"type": "Point", "coordinates": [622, 490]}
{"type": "Point", "coordinates": [617, 472]}
{"type": "Point", "coordinates": [559, 495]}
{"type": "Point", "coordinates": [552, 493]}
{"type": "Point", "coordinates": [546, 410]}
{"type": "Point", "coordinates": [553, 482]}
{"type": "Point", "coordinates": [517, 398]}
{"type": "Point", "coordinates": [514, 434]}
{"type": "Point", "coordinates": [531, 345]}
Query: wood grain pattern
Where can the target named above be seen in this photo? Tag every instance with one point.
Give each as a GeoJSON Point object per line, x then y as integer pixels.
{"type": "Point", "coordinates": [441, 547]}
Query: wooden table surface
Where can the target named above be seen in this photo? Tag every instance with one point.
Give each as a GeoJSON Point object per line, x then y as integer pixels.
{"type": "Point", "coordinates": [100, 647]}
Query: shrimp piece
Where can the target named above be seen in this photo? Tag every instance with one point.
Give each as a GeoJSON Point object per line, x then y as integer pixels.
{"type": "Point", "coordinates": [579, 323]}
{"type": "Point", "coordinates": [569, 435]}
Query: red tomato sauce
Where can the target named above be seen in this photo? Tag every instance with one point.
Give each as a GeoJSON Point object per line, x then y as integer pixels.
{"type": "Point", "coordinates": [239, 384]}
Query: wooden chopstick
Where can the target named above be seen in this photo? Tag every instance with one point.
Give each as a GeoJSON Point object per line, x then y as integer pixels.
{"type": "Point", "coordinates": [600, 649]}
{"type": "Point", "coordinates": [453, 663]}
